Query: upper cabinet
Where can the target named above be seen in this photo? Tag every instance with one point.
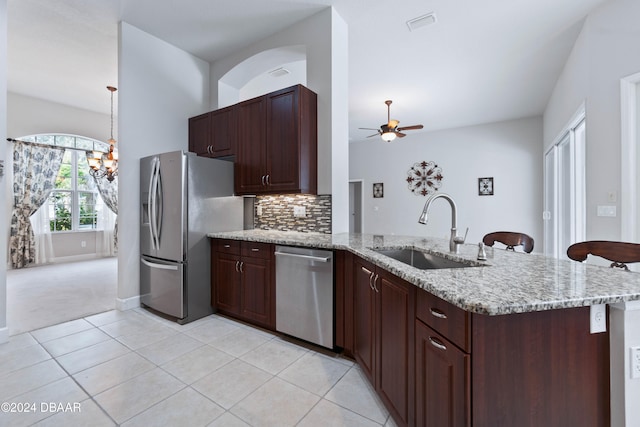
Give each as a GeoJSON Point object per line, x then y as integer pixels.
{"type": "Point", "coordinates": [274, 139]}
{"type": "Point", "coordinates": [283, 159]}
{"type": "Point", "coordinates": [214, 134]}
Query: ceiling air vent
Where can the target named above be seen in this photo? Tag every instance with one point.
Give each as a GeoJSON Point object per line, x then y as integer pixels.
{"type": "Point", "coordinates": [279, 72]}
{"type": "Point", "coordinates": [421, 21]}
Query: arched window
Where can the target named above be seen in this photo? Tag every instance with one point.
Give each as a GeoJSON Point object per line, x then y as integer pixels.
{"type": "Point", "coordinates": [75, 203]}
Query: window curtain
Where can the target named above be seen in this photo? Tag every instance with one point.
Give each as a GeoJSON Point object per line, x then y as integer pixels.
{"type": "Point", "coordinates": [42, 233]}
{"type": "Point", "coordinates": [107, 222]}
{"type": "Point", "coordinates": [35, 169]}
{"type": "Point", "coordinates": [109, 193]}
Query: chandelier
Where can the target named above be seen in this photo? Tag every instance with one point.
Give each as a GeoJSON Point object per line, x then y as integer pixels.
{"type": "Point", "coordinates": [105, 164]}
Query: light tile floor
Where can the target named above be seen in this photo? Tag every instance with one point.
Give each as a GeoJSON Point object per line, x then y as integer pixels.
{"type": "Point", "coordinates": [136, 369]}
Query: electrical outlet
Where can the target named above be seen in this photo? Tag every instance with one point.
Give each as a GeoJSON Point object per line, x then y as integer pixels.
{"type": "Point", "coordinates": [635, 362]}
{"type": "Point", "coordinates": [598, 318]}
{"type": "Point", "coordinates": [299, 211]}
{"type": "Point", "coordinates": [259, 210]}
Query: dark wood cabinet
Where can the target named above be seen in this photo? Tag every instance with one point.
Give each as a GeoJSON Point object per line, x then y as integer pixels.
{"type": "Point", "coordinates": [199, 134]}
{"type": "Point", "coordinates": [251, 149]}
{"type": "Point", "coordinates": [242, 281]}
{"type": "Point", "coordinates": [442, 381]}
{"type": "Point", "coordinates": [384, 336]}
{"type": "Point", "coordinates": [277, 143]}
{"type": "Point", "coordinates": [214, 134]}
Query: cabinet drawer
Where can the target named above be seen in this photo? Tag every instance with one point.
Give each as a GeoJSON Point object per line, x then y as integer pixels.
{"type": "Point", "coordinates": [450, 321]}
{"type": "Point", "coordinates": [228, 246]}
{"type": "Point", "coordinates": [257, 250]}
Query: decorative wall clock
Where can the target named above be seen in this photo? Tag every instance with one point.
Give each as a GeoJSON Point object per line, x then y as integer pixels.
{"type": "Point", "coordinates": [378, 190]}
{"type": "Point", "coordinates": [424, 178]}
{"type": "Point", "coordinates": [485, 186]}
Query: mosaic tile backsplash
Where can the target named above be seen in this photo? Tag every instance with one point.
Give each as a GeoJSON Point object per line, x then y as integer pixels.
{"type": "Point", "coordinates": [276, 212]}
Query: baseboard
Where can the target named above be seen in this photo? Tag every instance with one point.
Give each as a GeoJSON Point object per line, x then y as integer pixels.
{"type": "Point", "coordinates": [128, 303]}
{"type": "Point", "coordinates": [4, 335]}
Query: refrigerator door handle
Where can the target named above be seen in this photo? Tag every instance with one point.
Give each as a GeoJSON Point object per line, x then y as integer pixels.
{"type": "Point", "coordinates": [150, 202]}
{"type": "Point", "coordinates": [159, 266]}
{"type": "Point", "coordinates": [159, 204]}
{"type": "Point", "coordinates": [154, 204]}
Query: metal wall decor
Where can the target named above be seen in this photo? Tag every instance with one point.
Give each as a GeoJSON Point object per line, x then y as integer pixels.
{"type": "Point", "coordinates": [378, 190]}
{"type": "Point", "coordinates": [485, 186]}
{"type": "Point", "coordinates": [424, 178]}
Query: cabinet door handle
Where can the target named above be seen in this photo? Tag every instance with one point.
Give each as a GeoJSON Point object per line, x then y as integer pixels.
{"type": "Point", "coordinates": [268, 183]}
{"type": "Point", "coordinates": [374, 284]}
{"type": "Point", "coordinates": [241, 264]}
{"type": "Point", "coordinates": [371, 281]}
{"type": "Point", "coordinates": [437, 313]}
{"type": "Point", "coordinates": [262, 179]}
{"type": "Point", "coordinates": [255, 250]}
{"type": "Point", "coordinates": [437, 344]}
{"type": "Point", "coordinates": [366, 270]}
{"type": "Point", "coordinates": [227, 246]}
{"type": "Point", "coordinates": [209, 149]}
{"type": "Point", "coordinates": [238, 266]}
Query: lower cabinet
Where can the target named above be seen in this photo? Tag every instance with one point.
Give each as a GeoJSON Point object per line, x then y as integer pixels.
{"type": "Point", "coordinates": [442, 380]}
{"type": "Point", "coordinates": [383, 336]}
{"type": "Point", "coordinates": [242, 281]}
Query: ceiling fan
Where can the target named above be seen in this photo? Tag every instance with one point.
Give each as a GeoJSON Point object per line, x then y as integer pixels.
{"type": "Point", "coordinates": [390, 130]}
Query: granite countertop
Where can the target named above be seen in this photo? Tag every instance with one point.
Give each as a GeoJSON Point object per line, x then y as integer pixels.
{"type": "Point", "coordinates": [505, 283]}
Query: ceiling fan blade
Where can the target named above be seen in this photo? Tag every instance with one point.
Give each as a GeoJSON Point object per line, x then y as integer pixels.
{"type": "Point", "coordinates": [410, 127]}
{"type": "Point", "coordinates": [375, 134]}
{"type": "Point", "coordinates": [368, 129]}
{"type": "Point", "coordinates": [400, 134]}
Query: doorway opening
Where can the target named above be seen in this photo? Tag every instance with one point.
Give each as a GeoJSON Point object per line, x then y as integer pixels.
{"type": "Point", "coordinates": [630, 157]}
{"type": "Point", "coordinates": [355, 206]}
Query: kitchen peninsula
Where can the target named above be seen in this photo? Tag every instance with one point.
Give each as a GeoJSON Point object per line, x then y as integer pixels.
{"type": "Point", "coordinates": [504, 341]}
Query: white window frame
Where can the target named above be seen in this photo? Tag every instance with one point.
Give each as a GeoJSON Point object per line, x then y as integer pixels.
{"type": "Point", "coordinates": [554, 218]}
{"type": "Point", "coordinates": [74, 191]}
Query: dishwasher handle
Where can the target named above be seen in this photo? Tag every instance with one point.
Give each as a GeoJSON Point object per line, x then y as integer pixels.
{"type": "Point", "coordinates": [307, 257]}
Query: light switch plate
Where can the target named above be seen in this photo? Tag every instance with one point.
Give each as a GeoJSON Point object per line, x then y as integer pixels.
{"type": "Point", "coordinates": [635, 362]}
{"type": "Point", "coordinates": [607, 211]}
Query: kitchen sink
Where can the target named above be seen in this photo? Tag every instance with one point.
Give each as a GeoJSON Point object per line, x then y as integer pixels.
{"type": "Point", "coordinates": [423, 260]}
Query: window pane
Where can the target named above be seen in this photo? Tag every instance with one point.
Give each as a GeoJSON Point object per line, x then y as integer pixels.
{"type": "Point", "coordinates": [64, 180]}
{"type": "Point", "coordinates": [65, 141]}
{"type": "Point", "coordinates": [45, 139]}
{"type": "Point", "coordinates": [88, 214]}
{"type": "Point", "coordinates": [84, 144]}
{"type": "Point", "coordinates": [85, 181]}
{"type": "Point", "coordinates": [60, 211]}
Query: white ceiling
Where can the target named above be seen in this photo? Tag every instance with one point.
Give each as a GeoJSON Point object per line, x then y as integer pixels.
{"type": "Point", "coordinates": [482, 61]}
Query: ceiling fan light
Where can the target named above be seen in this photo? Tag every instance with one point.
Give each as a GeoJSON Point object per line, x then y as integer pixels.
{"type": "Point", "coordinates": [388, 136]}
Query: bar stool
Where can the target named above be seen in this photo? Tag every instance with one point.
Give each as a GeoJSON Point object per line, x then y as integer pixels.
{"type": "Point", "coordinates": [619, 253]}
{"type": "Point", "coordinates": [510, 239]}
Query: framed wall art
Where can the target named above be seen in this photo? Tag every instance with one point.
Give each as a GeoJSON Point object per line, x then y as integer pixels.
{"type": "Point", "coordinates": [485, 186]}
{"type": "Point", "coordinates": [378, 190]}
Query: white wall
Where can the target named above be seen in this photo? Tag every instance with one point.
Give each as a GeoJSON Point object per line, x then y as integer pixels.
{"type": "Point", "coordinates": [31, 116]}
{"type": "Point", "coordinates": [325, 38]}
{"type": "Point", "coordinates": [605, 51]}
{"type": "Point", "coordinates": [510, 152]}
{"type": "Point", "coordinates": [4, 330]}
{"type": "Point", "coordinates": [161, 86]}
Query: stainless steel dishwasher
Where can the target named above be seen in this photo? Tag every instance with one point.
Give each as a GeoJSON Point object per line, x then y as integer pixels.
{"type": "Point", "coordinates": [304, 294]}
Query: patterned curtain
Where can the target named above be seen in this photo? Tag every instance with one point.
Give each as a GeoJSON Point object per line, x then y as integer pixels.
{"type": "Point", "coordinates": [109, 193]}
{"type": "Point", "coordinates": [35, 169]}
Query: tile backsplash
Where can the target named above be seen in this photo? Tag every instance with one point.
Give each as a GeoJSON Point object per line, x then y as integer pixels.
{"type": "Point", "coordinates": [276, 212]}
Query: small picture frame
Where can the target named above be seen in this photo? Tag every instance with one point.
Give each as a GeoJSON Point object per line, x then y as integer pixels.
{"type": "Point", "coordinates": [378, 190]}
{"type": "Point", "coordinates": [485, 186]}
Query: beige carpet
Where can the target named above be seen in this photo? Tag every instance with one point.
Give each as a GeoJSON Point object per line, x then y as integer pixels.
{"type": "Point", "coordinates": [50, 294]}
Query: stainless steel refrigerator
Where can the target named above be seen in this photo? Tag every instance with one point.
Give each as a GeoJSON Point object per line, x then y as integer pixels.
{"type": "Point", "coordinates": [183, 197]}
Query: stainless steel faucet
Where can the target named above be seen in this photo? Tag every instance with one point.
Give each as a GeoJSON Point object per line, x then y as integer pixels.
{"type": "Point", "coordinates": [455, 240]}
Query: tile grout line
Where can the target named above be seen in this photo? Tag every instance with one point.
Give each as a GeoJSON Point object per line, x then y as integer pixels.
{"type": "Point", "coordinates": [91, 397]}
